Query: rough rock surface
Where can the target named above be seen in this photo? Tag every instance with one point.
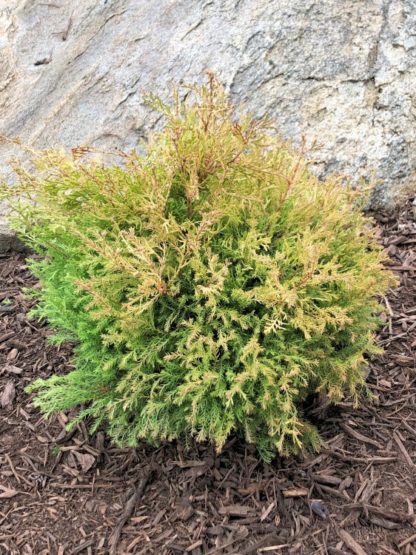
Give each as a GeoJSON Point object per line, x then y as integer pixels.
{"type": "Point", "coordinates": [340, 74]}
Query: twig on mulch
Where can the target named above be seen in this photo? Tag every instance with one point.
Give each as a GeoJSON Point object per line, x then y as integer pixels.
{"type": "Point", "coordinates": [403, 449]}
{"type": "Point", "coordinates": [395, 516]}
{"type": "Point", "coordinates": [351, 543]}
{"type": "Point", "coordinates": [128, 511]}
{"type": "Point", "coordinates": [360, 437]}
{"type": "Point", "coordinates": [407, 541]}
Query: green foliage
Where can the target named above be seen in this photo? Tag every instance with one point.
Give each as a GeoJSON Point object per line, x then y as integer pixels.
{"type": "Point", "coordinates": [210, 285]}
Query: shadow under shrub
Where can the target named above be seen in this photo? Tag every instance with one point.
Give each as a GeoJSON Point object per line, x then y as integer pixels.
{"type": "Point", "coordinates": [211, 285]}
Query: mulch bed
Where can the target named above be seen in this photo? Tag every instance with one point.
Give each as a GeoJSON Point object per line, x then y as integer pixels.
{"type": "Point", "coordinates": [67, 493]}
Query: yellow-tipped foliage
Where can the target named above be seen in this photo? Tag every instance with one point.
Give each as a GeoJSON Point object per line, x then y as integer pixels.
{"type": "Point", "coordinates": [210, 285]}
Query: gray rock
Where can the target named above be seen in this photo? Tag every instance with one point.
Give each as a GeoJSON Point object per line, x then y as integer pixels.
{"type": "Point", "coordinates": [340, 74]}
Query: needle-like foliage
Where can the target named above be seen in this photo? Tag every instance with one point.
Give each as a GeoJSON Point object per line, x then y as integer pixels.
{"type": "Point", "coordinates": [210, 285]}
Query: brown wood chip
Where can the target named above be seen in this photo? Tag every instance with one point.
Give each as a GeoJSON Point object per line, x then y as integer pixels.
{"type": "Point", "coordinates": [8, 395]}
{"type": "Point", "coordinates": [295, 492]}
{"type": "Point", "coordinates": [235, 510]}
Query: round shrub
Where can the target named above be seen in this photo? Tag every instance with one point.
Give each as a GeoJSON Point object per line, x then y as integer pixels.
{"type": "Point", "coordinates": [210, 285]}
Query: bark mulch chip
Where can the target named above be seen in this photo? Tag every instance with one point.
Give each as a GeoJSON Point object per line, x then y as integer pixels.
{"type": "Point", "coordinates": [67, 493]}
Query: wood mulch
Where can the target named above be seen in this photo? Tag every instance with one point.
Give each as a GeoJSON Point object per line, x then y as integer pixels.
{"type": "Point", "coordinates": [68, 493]}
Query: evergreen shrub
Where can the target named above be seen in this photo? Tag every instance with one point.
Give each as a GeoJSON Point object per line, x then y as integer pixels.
{"type": "Point", "coordinates": [211, 284]}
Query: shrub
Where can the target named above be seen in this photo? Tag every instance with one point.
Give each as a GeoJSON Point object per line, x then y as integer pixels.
{"type": "Point", "coordinates": [211, 284]}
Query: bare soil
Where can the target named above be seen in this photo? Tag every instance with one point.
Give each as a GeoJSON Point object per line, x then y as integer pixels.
{"type": "Point", "coordinates": [67, 493]}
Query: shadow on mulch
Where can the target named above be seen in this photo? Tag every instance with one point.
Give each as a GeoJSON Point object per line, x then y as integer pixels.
{"type": "Point", "coordinates": [67, 493]}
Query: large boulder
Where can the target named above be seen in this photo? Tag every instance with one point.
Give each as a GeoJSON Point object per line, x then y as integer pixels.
{"type": "Point", "coordinates": [341, 75]}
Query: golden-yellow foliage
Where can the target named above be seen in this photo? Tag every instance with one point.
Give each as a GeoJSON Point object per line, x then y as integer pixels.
{"type": "Point", "coordinates": [211, 284]}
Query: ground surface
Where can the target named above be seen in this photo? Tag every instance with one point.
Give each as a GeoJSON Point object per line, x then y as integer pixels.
{"type": "Point", "coordinates": [67, 493]}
